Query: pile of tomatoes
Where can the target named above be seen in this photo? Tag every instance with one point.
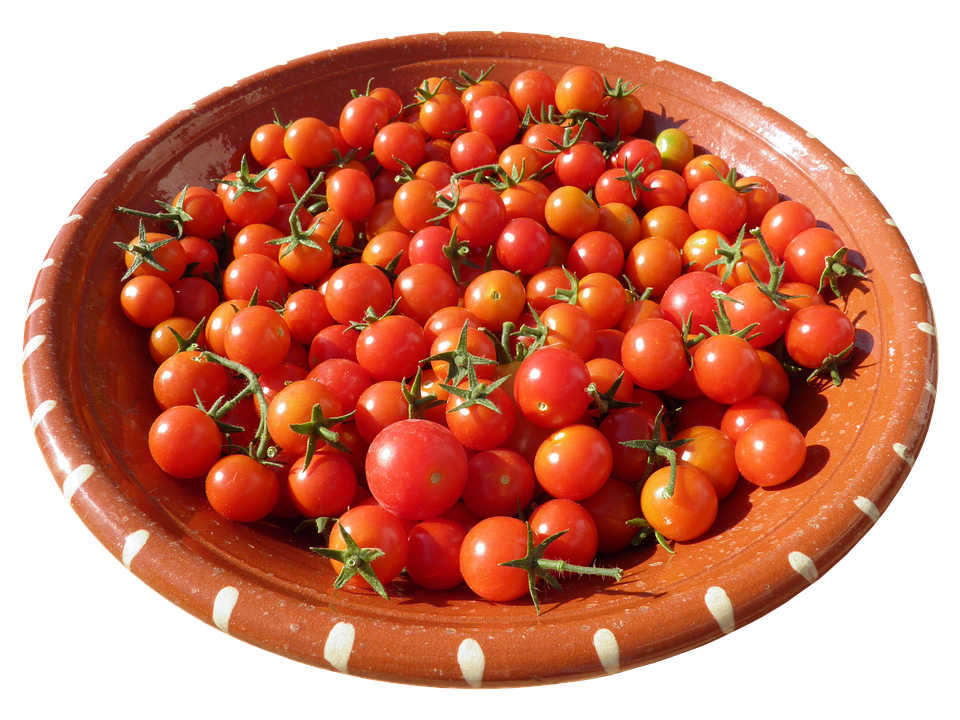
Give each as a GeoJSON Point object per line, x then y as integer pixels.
{"type": "Point", "coordinates": [491, 325]}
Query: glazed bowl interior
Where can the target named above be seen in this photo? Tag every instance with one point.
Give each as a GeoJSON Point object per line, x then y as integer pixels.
{"type": "Point", "coordinates": [88, 378]}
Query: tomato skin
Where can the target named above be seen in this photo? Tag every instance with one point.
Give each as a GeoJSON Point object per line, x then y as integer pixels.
{"type": "Point", "coordinates": [623, 425]}
{"type": "Point", "coordinates": [353, 288]}
{"type": "Point", "coordinates": [686, 514]}
{"type": "Point", "coordinates": [710, 451]}
{"type": "Point", "coordinates": [817, 332]}
{"type": "Point", "coordinates": [498, 482]}
{"type": "Point", "coordinates": [170, 255]}
{"type": "Point", "coordinates": [294, 405]}
{"type": "Point", "coordinates": [654, 354]}
{"type": "Point", "coordinates": [361, 119]}
{"type": "Point", "coordinates": [741, 415]}
{"type": "Point", "coordinates": [257, 337]}
{"type": "Point", "coordinates": [489, 543]}
{"type": "Point", "coordinates": [726, 368]}
{"type": "Point", "coordinates": [579, 542]}
{"type": "Point", "coordinates": [325, 488]}
{"type": "Point", "coordinates": [690, 296]}
{"type": "Point", "coordinates": [804, 257]}
{"type": "Point", "coordinates": [479, 216]}
{"type": "Point", "coordinates": [714, 205]}
{"type": "Point", "coordinates": [183, 378]}
{"type": "Point", "coordinates": [478, 427]}
{"type": "Point", "coordinates": [495, 297]}
{"type": "Point", "coordinates": [574, 462]}
{"type": "Point", "coordinates": [309, 142]}
{"type": "Point", "coordinates": [770, 452]}
{"type": "Point", "coordinates": [676, 148]}
{"type": "Point", "coordinates": [391, 348]}
{"type": "Point", "coordinates": [783, 222]}
{"type": "Point", "coordinates": [147, 300]}
{"type": "Point", "coordinates": [184, 441]}
{"type": "Point", "coordinates": [433, 558]}
{"type": "Point", "coordinates": [416, 469]}
{"type": "Point", "coordinates": [372, 526]}
{"type": "Point", "coordinates": [550, 387]}
{"type": "Point", "coordinates": [241, 488]}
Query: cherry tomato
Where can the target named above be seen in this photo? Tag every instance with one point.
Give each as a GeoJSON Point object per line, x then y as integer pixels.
{"type": "Point", "coordinates": [241, 488]}
{"type": "Point", "coordinates": [184, 378]}
{"type": "Point", "coordinates": [416, 468]}
{"type": "Point", "coordinates": [742, 414]}
{"type": "Point", "coordinates": [726, 368]}
{"type": "Point", "coordinates": [676, 148]}
{"type": "Point", "coordinates": [579, 88]}
{"type": "Point", "coordinates": [184, 441]}
{"type": "Point", "coordinates": [686, 513]}
{"type": "Point", "coordinates": [495, 297]}
{"type": "Point", "coordinates": [391, 348]}
{"type": "Point", "coordinates": [611, 507]}
{"type": "Point", "coordinates": [371, 526]}
{"type": "Point", "coordinates": [257, 337]}
{"type": "Point", "coordinates": [574, 462]}
{"type": "Point", "coordinates": [712, 452]}
{"type": "Point", "coordinates": [477, 426]}
{"type": "Point", "coordinates": [353, 288]}
{"type": "Point", "coordinates": [714, 205]}
{"type": "Point", "coordinates": [654, 354]}
{"type": "Point", "coordinates": [783, 222]}
{"type": "Point", "coordinates": [309, 142]}
{"type": "Point", "coordinates": [293, 406]}
{"type": "Point", "coordinates": [570, 212]}
{"type": "Point", "coordinates": [770, 452]}
{"type": "Point", "coordinates": [433, 557]}
{"type": "Point", "coordinates": [550, 387]}
{"type": "Point", "coordinates": [818, 332]}
{"type": "Point", "coordinates": [499, 481]}
{"type": "Point", "coordinates": [625, 425]}
{"type": "Point", "coordinates": [398, 143]}
{"type": "Point", "coordinates": [579, 542]}
{"type": "Point", "coordinates": [489, 543]}
{"type": "Point", "coordinates": [147, 300]}
{"type": "Point", "coordinates": [361, 119]}
{"type": "Point", "coordinates": [323, 488]}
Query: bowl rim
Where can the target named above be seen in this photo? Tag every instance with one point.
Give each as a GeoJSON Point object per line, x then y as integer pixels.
{"type": "Point", "coordinates": [127, 525]}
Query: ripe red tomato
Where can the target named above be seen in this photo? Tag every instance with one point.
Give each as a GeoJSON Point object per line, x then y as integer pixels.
{"type": "Point", "coordinates": [726, 368]}
{"type": "Point", "coordinates": [391, 348]}
{"type": "Point", "coordinates": [550, 387]}
{"type": "Point", "coordinates": [654, 354]}
{"type": "Point", "coordinates": [241, 488]}
{"type": "Point", "coordinates": [293, 406]}
{"type": "Point", "coordinates": [686, 513]}
{"type": "Point", "coordinates": [416, 469]}
{"type": "Point", "coordinates": [574, 462]}
{"type": "Point", "coordinates": [185, 378]}
{"type": "Point", "coordinates": [489, 543]}
{"type": "Point", "coordinates": [498, 482]}
{"type": "Point", "coordinates": [433, 557]}
{"type": "Point", "coordinates": [258, 337]}
{"type": "Point", "coordinates": [370, 526]}
{"type": "Point", "coordinates": [770, 452]}
{"type": "Point", "coordinates": [147, 300]}
{"type": "Point", "coordinates": [710, 451]}
{"type": "Point", "coordinates": [818, 332]}
{"type": "Point", "coordinates": [324, 488]}
{"type": "Point", "coordinates": [579, 542]}
{"type": "Point", "coordinates": [184, 441]}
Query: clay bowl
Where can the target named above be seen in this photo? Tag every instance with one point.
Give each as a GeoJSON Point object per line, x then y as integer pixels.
{"type": "Point", "coordinates": [88, 377]}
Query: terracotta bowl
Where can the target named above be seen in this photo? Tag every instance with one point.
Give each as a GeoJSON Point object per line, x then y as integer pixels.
{"type": "Point", "coordinates": [88, 383]}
